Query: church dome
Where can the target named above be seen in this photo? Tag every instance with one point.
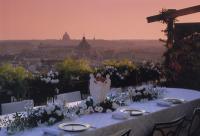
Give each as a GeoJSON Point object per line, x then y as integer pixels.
{"type": "Point", "coordinates": [66, 37]}
{"type": "Point", "coordinates": [84, 44]}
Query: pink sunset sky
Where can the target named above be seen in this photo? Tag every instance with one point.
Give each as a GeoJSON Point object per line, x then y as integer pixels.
{"type": "Point", "coordinates": [104, 19]}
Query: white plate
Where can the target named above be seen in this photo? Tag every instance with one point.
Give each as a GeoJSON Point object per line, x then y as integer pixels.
{"type": "Point", "coordinates": [74, 127]}
{"type": "Point", "coordinates": [174, 100]}
{"type": "Point", "coordinates": [133, 111]}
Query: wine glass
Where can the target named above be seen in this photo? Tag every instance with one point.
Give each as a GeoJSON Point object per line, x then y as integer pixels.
{"type": "Point", "coordinates": [28, 107]}
{"type": "Point", "coordinates": [73, 116]}
{"type": "Point", "coordinates": [49, 100]}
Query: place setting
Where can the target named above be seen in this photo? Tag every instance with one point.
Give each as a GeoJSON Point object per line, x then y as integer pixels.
{"type": "Point", "coordinates": [169, 101]}
{"type": "Point", "coordinates": [74, 127]}
{"type": "Point", "coordinates": [133, 111]}
{"type": "Point", "coordinates": [127, 112]}
{"type": "Point", "coordinates": [70, 127]}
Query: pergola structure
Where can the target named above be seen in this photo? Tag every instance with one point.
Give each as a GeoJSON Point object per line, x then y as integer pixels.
{"type": "Point", "coordinates": [169, 17]}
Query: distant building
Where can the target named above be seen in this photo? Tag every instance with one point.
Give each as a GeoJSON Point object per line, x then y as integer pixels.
{"type": "Point", "coordinates": [66, 37]}
{"type": "Point", "coordinates": [84, 45]}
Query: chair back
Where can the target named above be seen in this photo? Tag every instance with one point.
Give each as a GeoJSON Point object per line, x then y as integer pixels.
{"type": "Point", "coordinates": [123, 132]}
{"type": "Point", "coordinates": [13, 107]}
{"type": "Point", "coordinates": [194, 127]}
{"type": "Point", "coordinates": [171, 128]}
{"type": "Point", "coordinates": [70, 97]}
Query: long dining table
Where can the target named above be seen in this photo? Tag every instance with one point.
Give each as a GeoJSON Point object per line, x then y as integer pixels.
{"type": "Point", "coordinates": [104, 125]}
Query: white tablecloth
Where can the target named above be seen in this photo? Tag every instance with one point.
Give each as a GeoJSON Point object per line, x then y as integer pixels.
{"type": "Point", "coordinates": [140, 125]}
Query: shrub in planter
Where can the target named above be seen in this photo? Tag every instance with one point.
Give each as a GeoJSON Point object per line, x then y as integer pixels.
{"type": "Point", "coordinates": [125, 73]}
{"type": "Point", "coordinates": [43, 86]}
{"type": "Point", "coordinates": [122, 72]}
{"type": "Point", "coordinates": [74, 75]}
{"type": "Point", "coordinates": [13, 81]}
{"type": "Point", "coordinates": [148, 71]}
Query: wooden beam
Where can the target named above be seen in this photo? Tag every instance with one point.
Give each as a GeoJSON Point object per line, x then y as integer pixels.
{"type": "Point", "coordinates": [174, 14]}
{"type": "Point", "coordinates": [160, 17]}
{"type": "Point", "coordinates": [186, 11]}
{"type": "Point", "coordinates": [154, 18]}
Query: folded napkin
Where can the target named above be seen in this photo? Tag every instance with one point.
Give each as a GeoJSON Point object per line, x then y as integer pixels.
{"type": "Point", "coordinates": [51, 132]}
{"type": "Point", "coordinates": [164, 103]}
{"type": "Point", "coordinates": [120, 115]}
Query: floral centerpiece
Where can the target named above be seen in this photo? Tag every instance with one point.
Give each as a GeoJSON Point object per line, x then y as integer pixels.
{"type": "Point", "coordinates": [88, 106]}
{"type": "Point", "coordinates": [145, 92]}
{"type": "Point", "coordinates": [46, 115]}
{"type": "Point", "coordinates": [51, 114]}
{"type": "Point", "coordinates": [51, 77]}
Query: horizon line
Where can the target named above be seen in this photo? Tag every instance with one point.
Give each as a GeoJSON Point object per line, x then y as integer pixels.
{"type": "Point", "coordinates": [78, 39]}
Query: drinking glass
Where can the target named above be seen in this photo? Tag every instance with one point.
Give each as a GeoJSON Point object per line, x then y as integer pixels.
{"type": "Point", "coordinates": [28, 107]}
{"type": "Point", "coordinates": [49, 100]}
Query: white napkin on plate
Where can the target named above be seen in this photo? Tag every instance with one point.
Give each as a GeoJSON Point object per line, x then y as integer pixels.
{"type": "Point", "coordinates": [120, 115]}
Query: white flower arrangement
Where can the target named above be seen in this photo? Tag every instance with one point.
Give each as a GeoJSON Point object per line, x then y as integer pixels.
{"type": "Point", "coordinates": [75, 78]}
{"type": "Point", "coordinates": [108, 111]}
{"type": "Point", "coordinates": [50, 77]}
{"type": "Point", "coordinates": [145, 92]}
{"type": "Point", "coordinates": [88, 106]}
{"type": "Point", "coordinates": [58, 112]}
{"type": "Point", "coordinates": [115, 105]}
{"type": "Point", "coordinates": [49, 114]}
{"type": "Point", "coordinates": [55, 81]}
{"type": "Point", "coordinates": [114, 71]}
{"type": "Point", "coordinates": [81, 111]}
{"type": "Point", "coordinates": [87, 111]}
{"type": "Point", "coordinates": [83, 105]}
{"type": "Point", "coordinates": [98, 109]}
{"type": "Point", "coordinates": [45, 115]}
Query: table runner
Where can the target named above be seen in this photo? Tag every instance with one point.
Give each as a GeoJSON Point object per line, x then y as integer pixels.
{"type": "Point", "coordinates": [140, 125]}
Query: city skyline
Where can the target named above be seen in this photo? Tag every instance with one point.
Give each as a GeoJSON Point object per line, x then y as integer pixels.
{"type": "Point", "coordinates": [113, 19]}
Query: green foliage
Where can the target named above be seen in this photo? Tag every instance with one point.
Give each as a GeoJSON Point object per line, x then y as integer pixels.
{"type": "Point", "coordinates": [120, 63]}
{"type": "Point", "coordinates": [74, 74]}
{"type": "Point", "coordinates": [43, 86]}
{"type": "Point", "coordinates": [122, 72]}
{"type": "Point", "coordinates": [125, 73]}
{"type": "Point", "coordinates": [72, 66]}
{"type": "Point", "coordinates": [149, 71]}
{"type": "Point", "coordinates": [10, 73]}
{"type": "Point", "coordinates": [182, 63]}
{"type": "Point", "coordinates": [13, 80]}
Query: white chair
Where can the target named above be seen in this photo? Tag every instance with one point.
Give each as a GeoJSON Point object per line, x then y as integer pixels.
{"type": "Point", "coordinates": [70, 97]}
{"type": "Point", "coordinates": [13, 107]}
